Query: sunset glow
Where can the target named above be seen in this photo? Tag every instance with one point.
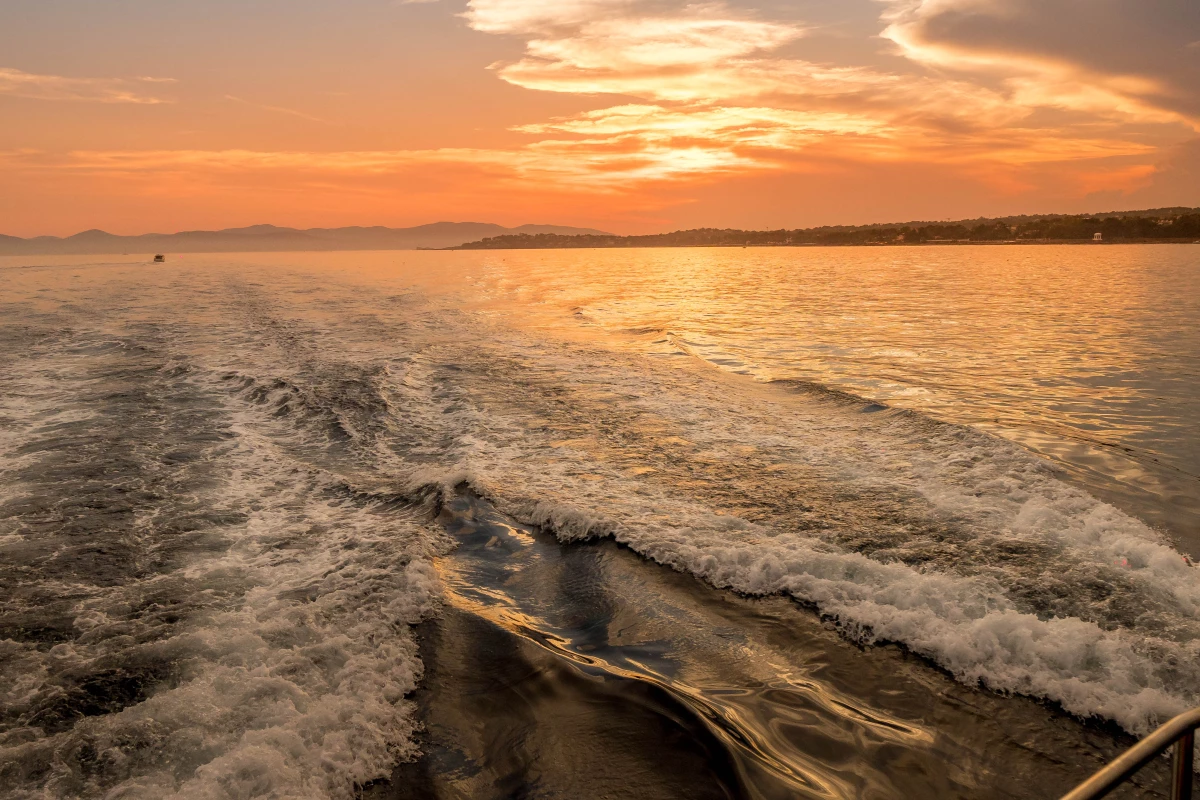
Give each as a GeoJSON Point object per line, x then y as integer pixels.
{"type": "Point", "coordinates": [588, 399]}
{"type": "Point", "coordinates": [628, 115]}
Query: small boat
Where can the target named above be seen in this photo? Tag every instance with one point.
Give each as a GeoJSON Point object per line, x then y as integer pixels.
{"type": "Point", "coordinates": [160, 258]}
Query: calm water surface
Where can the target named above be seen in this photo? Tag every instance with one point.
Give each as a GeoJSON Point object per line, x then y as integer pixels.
{"type": "Point", "coordinates": [666, 523]}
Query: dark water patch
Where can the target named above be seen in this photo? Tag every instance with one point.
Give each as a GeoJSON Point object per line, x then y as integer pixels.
{"type": "Point", "coordinates": [47, 623]}
{"type": "Point", "coordinates": [531, 724]}
{"type": "Point", "coordinates": [583, 671]}
{"type": "Point", "coordinates": [104, 686]}
{"type": "Point", "coordinates": [342, 404]}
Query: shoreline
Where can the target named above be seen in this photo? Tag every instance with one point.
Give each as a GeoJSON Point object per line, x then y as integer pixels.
{"type": "Point", "coordinates": [1039, 242]}
{"type": "Point", "coordinates": [947, 243]}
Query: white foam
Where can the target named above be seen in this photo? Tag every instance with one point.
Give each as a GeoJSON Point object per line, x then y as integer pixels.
{"type": "Point", "coordinates": [1135, 660]}
{"type": "Point", "coordinates": [293, 668]}
{"type": "Point", "coordinates": [966, 625]}
{"type": "Point", "coordinates": [562, 435]}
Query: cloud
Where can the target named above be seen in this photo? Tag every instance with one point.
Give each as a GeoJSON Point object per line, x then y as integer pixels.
{"type": "Point", "coordinates": [713, 83]}
{"type": "Point", "coordinates": [706, 54]}
{"type": "Point", "coordinates": [703, 61]}
{"type": "Point", "coordinates": [1130, 58]}
{"type": "Point", "coordinates": [997, 61]}
{"type": "Point", "coordinates": [1174, 179]}
{"type": "Point", "coordinates": [1002, 94]}
{"type": "Point", "coordinates": [278, 109]}
{"type": "Point", "coordinates": [622, 47]}
{"type": "Point", "coordinates": [580, 166]}
{"type": "Point", "coordinates": [715, 97]}
{"type": "Point", "coordinates": [16, 83]}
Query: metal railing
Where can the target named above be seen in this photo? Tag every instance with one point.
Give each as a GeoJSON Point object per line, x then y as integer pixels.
{"type": "Point", "coordinates": [1180, 732]}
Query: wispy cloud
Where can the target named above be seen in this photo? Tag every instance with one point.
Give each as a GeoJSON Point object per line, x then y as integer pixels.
{"type": "Point", "coordinates": [278, 110]}
{"type": "Point", "coordinates": [15, 83]}
{"type": "Point", "coordinates": [719, 90]}
{"type": "Point", "coordinates": [564, 163]}
{"type": "Point", "coordinates": [685, 52]}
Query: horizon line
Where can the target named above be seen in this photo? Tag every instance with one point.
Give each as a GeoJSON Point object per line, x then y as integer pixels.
{"type": "Point", "coordinates": [590, 228]}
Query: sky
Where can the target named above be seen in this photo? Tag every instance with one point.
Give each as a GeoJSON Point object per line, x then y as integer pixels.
{"type": "Point", "coordinates": [632, 116]}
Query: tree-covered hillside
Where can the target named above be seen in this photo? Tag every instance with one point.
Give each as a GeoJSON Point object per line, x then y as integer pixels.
{"type": "Point", "coordinates": [1165, 224]}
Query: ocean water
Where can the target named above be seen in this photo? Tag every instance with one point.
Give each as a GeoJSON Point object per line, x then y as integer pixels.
{"type": "Point", "coordinates": [743, 523]}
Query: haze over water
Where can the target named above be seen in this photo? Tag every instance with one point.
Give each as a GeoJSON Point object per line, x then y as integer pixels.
{"type": "Point", "coordinates": [962, 478]}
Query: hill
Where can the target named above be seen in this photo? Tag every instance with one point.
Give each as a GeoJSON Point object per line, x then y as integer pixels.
{"type": "Point", "coordinates": [270, 238]}
{"type": "Point", "coordinates": [1162, 224]}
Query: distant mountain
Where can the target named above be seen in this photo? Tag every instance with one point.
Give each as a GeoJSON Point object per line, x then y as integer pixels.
{"type": "Point", "coordinates": [270, 238]}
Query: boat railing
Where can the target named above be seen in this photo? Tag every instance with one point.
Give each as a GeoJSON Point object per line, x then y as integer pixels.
{"type": "Point", "coordinates": [1180, 731]}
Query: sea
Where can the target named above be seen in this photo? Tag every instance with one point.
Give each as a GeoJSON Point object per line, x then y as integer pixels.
{"type": "Point", "coordinates": [889, 522]}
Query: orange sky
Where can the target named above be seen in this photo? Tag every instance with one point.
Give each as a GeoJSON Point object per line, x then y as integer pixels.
{"type": "Point", "coordinates": [627, 115]}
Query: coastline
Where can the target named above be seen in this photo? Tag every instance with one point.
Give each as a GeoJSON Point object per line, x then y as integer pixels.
{"type": "Point", "coordinates": [805, 245]}
{"type": "Point", "coordinates": [940, 243]}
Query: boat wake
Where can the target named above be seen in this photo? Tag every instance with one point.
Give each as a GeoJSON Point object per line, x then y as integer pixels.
{"type": "Point", "coordinates": [224, 506]}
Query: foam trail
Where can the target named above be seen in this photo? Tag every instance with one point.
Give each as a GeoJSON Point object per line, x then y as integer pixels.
{"type": "Point", "coordinates": [965, 548]}
{"type": "Point", "coordinates": [252, 639]}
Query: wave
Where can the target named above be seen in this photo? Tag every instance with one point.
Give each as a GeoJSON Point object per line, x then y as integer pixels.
{"type": "Point", "coordinates": [965, 548]}
{"type": "Point", "coordinates": [966, 625]}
